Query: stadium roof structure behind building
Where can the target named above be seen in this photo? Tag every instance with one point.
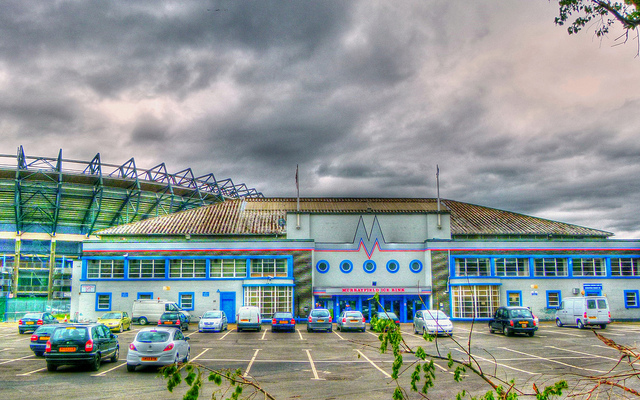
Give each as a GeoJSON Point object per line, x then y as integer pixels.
{"type": "Point", "coordinates": [264, 216]}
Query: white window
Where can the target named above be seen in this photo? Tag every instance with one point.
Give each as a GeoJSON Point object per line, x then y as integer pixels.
{"type": "Point", "coordinates": [103, 302]}
{"type": "Point", "coordinates": [475, 301]}
{"type": "Point", "coordinates": [269, 299]}
{"type": "Point", "coordinates": [228, 268]}
{"type": "Point", "coordinates": [512, 266]}
{"type": "Point", "coordinates": [473, 267]}
{"type": "Point", "coordinates": [625, 266]}
{"type": "Point", "coordinates": [550, 267]}
{"type": "Point", "coordinates": [188, 268]}
{"type": "Point", "coordinates": [264, 267]}
{"type": "Point", "coordinates": [106, 269]}
{"type": "Point", "coordinates": [186, 301]}
{"type": "Point", "coordinates": [153, 268]}
{"type": "Point", "coordinates": [589, 267]}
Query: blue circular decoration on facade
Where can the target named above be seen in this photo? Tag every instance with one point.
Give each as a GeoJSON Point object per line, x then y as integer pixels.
{"type": "Point", "coordinates": [346, 266]}
{"type": "Point", "coordinates": [322, 266]}
{"type": "Point", "coordinates": [415, 266]}
{"type": "Point", "coordinates": [393, 266]}
{"type": "Point", "coordinates": [369, 266]}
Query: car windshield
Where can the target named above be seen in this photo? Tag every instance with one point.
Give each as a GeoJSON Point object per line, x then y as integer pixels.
{"type": "Point", "coordinates": [520, 313]}
{"type": "Point", "coordinates": [69, 333]}
{"type": "Point", "coordinates": [387, 315]}
{"type": "Point", "coordinates": [212, 314]}
{"type": "Point", "coordinates": [284, 315]}
{"type": "Point", "coordinates": [353, 314]}
{"type": "Point", "coordinates": [32, 315]}
{"type": "Point", "coordinates": [112, 315]}
{"type": "Point", "coordinates": [434, 314]}
{"type": "Point", "coordinates": [45, 329]}
{"type": "Point", "coordinates": [320, 313]}
{"type": "Point", "coordinates": [169, 316]}
{"type": "Point", "coordinates": [152, 336]}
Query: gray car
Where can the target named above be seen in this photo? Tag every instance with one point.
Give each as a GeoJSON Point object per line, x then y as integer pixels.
{"type": "Point", "coordinates": [319, 320]}
{"type": "Point", "coordinates": [434, 322]}
{"type": "Point", "coordinates": [351, 320]}
{"type": "Point", "coordinates": [158, 346]}
{"type": "Point", "coordinates": [213, 321]}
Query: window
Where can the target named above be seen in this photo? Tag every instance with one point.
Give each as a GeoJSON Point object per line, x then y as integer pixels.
{"type": "Point", "coordinates": [346, 266]}
{"type": "Point", "coordinates": [270, 299]}
{"type": "Point", "coordinates": [512, 266]}
{"type": "Point", "coordinates": [228, 268]}
{"type": "Point", "coordinates": [369, 266]}
{"type": "Point", "coordinates": [106, 269]}
{"type": "Point", "coordinates": [631, 299]}
{"type": "Point", "coordinates": [145, 295]}
{"type": "Point", "coordinates": [472, 267]}
{"type": "Point", "coordinates": [322, 267]}
{"type": "Point", "coordinates": [514, 299]}
{"type": "Point", "coordinates": [186, 301]}
{"type": "Point", "coordinates": [187, 268]}
{"type": "Point", "coordinates": [415, 266]}
{"type": "Point", "coordinates": [550, 267]}
{"type": "Point", "coordinates": [393, 266]}
{"type": "Point", "coordinates": [480, 301]}
{"type": "Point", "coordinates": [265, 267]}
{"type": "Point", "coordinates": [625, 267]}
{"type": "Point", "coordinates": [103, 301]}
{"type": "Point", "coordinates": [553, 299]}
{"type": "Point", "coordinates": [149, 268]}
{"type": "Point", "coordinates": [588, 267]}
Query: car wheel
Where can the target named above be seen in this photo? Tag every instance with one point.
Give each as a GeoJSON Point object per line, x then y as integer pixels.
{"type": "Point", "coordinates": [259, 329]}
{"type": "Point", "coordinates": [186, 358]}
{"type": "Point", "coordinates": [38, 353]}
{"type": "Point", "coordinates": [94, 365]}
{"type": "Point", "coordinates": [143, 321]}
{"type": "Point", "coordinates": [20, 331]}
{"type": "Point", "coordinates": [580, 324]}
{"type": "Point", "coordinates": [51, 367]}
{"type": "Point", "coordinates": [558, 322]}
{"type": "Point", "coordinates": [330, 329]}
{"type": "Point", "coordinates": [603, 326]}
{"type": "Point", "coordinates": [308, 329]}
{"type": "Point", "coordinates": [239, 329]}
{"type": "Point", "coordinates": [129, 326]}
{"type": "Point", "coordinates": [114, 357]}
{"type": "Point", "coordinates": [508, 332]}
{"type": "Point", "coordinates": [531, 333]}
{"type": "Point", "coordinates": [120, 329]}
{"type": "Point", "coordinates": [131, 368]}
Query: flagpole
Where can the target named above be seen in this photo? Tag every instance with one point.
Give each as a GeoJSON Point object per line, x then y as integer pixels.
{"type": "Point", "coordinates": [438, 192]}
{"type": "Point", "coordinates": [297, 199]}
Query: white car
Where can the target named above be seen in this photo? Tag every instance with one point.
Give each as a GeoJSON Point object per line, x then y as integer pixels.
{"type": "Point", "coordinates": [433, 322]}
{"type": "Point", "coordinates": [158, 346]}
{"type": "Point", "coordinates": [214, 321]}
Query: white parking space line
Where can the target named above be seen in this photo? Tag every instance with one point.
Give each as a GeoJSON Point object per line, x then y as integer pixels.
{"type": "Point", "coordinates": [6, 348]}
{"type": "Point", "coordinates": [474, 331]}
{"type": "Point", "coordinates": [32, 372]}
{"type": "Point", "coordinates": [494, 362]}
{"type": "Point", "coordinates": [372, 363]}
{"type": "Point", "coordinates": [103, 373]}
{"type": "Point", "coordinates": [373, 333]}
{"type": "Point", "coordinates": [552, 361]}
{"type": "Point", "coordinates": [583, 353]}
{"type": "Point", "coordinates": [313, 366]}
{"type": "Point", "coordinates": [201, 353]}
{"type": "Point", "coordinates": [300, 334]}
{"type": "Point", "coordinates": [338, 335]}
{"type": "Point", "coordinates": [192, 333]}
{"type": "Point", "coordinates": [225, 335]}
{"type": "Point", "coordinates": [17, 359]}
{"type": "Point", "coordinates": [565, 333]}
{"type": "Point", "coordinates": [246, 373]}
{"type": "Point", "coordinates": [263, 335]}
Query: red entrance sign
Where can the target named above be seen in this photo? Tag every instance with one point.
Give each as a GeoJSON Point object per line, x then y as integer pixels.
{"type": "Point", "coordinates": [372, 290]}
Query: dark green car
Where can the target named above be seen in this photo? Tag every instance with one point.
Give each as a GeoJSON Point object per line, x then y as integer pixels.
{"type": "Point", "coordinates": [511, 320]}
{"type": "Point", "coordinates": [79, 344]}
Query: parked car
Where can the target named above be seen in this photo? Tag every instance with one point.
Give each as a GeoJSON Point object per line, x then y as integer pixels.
{"type": "Point", "coordinates": [214, 321]}
{"type": "Point", "coordinates": [319, 319]}
{"type": "Point", "coordinates": [32, 321]}
{"type": "Point", "coordinates": [40, 337]}
{"type": "Point", "coordinates": [351, 320]}
{"type": "Point", "coordinates": [433, 322]}
{"type": "Point", "coordinates": [158, 346]}
{"type": "Point", "coordinates": [117, 321]}
{"type": "Point", "coordinates": [584, 311]}
{"type": "Point", "coordinates": [77, 344]}
{"type": "Point", "coordinates": [174, 319]}
{"type": "Point", "coordinates": [510, 320]}
{"type": "Point", "coordinates": [146, 311]}
{"type": "Point", "coordinates": [283, 321]}
{"type": "Point", "coordinates": [383, 315]}
{"type": "Point", "coordinates": [249, 317]}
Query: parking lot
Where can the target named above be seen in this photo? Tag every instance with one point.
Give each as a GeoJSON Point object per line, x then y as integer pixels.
{"type": "Point", "coordinates": [336, 365]}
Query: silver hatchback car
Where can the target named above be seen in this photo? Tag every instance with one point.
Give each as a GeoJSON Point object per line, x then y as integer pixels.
{"type": "Point", "coordinates": [433, 322]}
{"type": "Point", "coordinates": [319, 320]}
{"type": "Point", "coordinates": [158, 346]}
{"type": "Point", "coordinates": [351, 320]}
{"type": "Point", "coordinates": [213, 321]}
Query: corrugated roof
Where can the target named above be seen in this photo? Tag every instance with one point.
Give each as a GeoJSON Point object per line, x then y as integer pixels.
{"type": "Point", "coordinates": [265, 216]}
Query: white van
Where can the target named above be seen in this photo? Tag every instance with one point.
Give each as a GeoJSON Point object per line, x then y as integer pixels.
{"type": "Point", "coordinates": [249, 317]}
{"type": "Point", "coordinates": [584, 311]}
{"type": "Point", "coordinates": [149, 310]}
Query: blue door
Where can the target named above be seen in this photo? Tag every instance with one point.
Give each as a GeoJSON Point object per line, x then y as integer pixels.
{"type": "Point", "coordinates": [228, 305]}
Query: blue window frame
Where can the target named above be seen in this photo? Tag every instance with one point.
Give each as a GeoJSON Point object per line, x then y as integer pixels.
{"type": "Point", "coordinates": [103, 301]}
{"type": "Point", "coordinates": [145, 295]}
{"type": "Point", "coordinates": [186, 300]}
{"type": "Point", "coordinates": [369, 266]}
{"type": "Point", "coordinates": [415, 266]}
{"type": "Point", "coordinates": [631, 299]}
{"type": "Point", "coordinates": [393, 266]}
{"type": "Point", "coordinates": [514, 298]}
{"type": "Point", "coordinates": [554, 298]}
{"type": "Point", "coordinates": [322, 266]}
{"type": "Point", "coordinates": [346, 266]}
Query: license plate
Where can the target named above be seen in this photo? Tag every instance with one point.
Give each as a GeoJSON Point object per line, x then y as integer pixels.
{"type": "Point", "coordinates": [67, 349]}
{"type": "Point", "coordinates": [244, 320]}
{"type": "Point", "coordinates": [283, 322]}
{"type": "Point", "coordinates": [149, 358]}
{"type": "Point", "coordinates": [44, 338]}
{"type": "Point", "coordinates": [320, 320]}
{"type": "Point", "coordinates": [353, 320]}
{"type": "Point", "coordinates": [29, 322]}
{"type": "Point", "coordinates": [592, 317]}
{"type": "Point", "coordinates": [168, 323]}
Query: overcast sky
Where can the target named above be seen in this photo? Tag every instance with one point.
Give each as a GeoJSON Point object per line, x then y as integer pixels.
{"type": "Point", "coordinates": [366, 96]}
